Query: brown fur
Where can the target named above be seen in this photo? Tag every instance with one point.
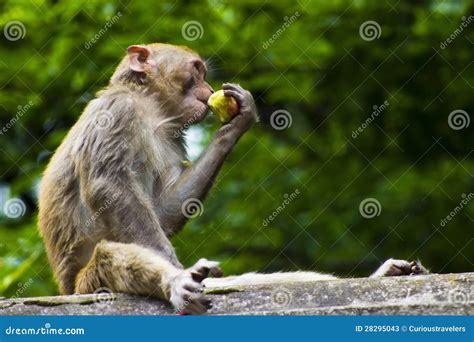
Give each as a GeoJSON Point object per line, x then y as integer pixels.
{"type": "Point", "coordinates": [118, 178]}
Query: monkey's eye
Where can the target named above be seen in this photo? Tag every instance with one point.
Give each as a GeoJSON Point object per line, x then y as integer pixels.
{"type": "Point", "coordinates": [189, 83]}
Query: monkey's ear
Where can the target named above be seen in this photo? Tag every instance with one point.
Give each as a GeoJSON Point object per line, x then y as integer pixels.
{"type": "Point", "coordinates": [139, 57]}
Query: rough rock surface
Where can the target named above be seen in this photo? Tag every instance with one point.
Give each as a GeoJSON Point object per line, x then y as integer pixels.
{"type": "Point", "coordinates": [445, 294]}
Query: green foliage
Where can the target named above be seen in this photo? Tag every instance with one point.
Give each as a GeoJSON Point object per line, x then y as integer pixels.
{"type": "Point", "coordinates": [322, 72]}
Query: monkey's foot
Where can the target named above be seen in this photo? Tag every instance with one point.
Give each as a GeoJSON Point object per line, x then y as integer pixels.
{"type": "Point", "coordinates": [394, 267]}
{"type": "Point", "coordinates": [187, 288]}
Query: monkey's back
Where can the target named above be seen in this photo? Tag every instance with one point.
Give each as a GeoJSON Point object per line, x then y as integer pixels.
{"type": "Point", "coordinates": [62, 213]}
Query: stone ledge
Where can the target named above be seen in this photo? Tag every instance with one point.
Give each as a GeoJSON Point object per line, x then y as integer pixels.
{"type": "Point", "coordinates": [436, 294]}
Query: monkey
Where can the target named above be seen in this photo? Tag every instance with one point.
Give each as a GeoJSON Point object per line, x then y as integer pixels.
{"type": "Point", "coordinates": [112, 194]}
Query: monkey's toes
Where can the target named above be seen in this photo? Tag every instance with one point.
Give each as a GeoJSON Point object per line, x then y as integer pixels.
{"type": "Point", "coordinates": [196, 306]}
{"type": "Point", "coordinates": [203, 268]}
{"type": "Point", "coordinates": [417, 268]}
{"type": "Point", "coordinates": [187, 295]}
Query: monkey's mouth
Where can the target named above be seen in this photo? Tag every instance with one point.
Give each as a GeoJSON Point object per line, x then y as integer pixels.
{"type": "Point", "coordinates": [205, 108]}
{"type": "Point", "coordinates": [204, 102]}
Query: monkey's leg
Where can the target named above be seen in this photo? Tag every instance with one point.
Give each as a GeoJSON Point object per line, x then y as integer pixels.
{"type": "Point", "coordinates": [394, 267]}
{"type": "Point", "coordinates": [133, 269]}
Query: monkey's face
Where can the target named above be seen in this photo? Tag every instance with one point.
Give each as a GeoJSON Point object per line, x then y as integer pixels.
{"type": "Point", "coordinates": [195, 91]}
{"type": "Point", "coordinates": [177, 76]}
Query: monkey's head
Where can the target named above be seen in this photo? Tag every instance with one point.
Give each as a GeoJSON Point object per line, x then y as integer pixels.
{"type": "Point", "coordinates": [175, 75]}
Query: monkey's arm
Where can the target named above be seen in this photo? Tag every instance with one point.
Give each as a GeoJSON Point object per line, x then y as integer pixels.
{"type": "Point", "coordinates": [196, 180]}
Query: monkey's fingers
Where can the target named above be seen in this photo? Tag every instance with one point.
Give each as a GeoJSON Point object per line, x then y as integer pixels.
{"type": "Point", "coordinates": [237, 96]}
{"type": "Point", "coordinates": [233, 86]}
{"type": "Point", "coordinates": [216, 272]}
{"type": "Point", "coordinates": [399, 267]}
{"type": "Point", "coordinates": [203, 267]}
{"type": "Point", "coordinates": [418, 268]}
{"type": "Point", "coordinates": [394, 267]}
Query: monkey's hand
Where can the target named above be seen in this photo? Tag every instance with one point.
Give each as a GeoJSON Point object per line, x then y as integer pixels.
{"type": "Point", "coordinates": [186, 288]}
{"type": "Point", "coordinates": [247, 109]}
{"type": "Point", "coordinates": [394, 267]}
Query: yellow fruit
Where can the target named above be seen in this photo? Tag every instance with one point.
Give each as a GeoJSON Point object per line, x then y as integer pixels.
{"type": "Point", "coordinates": [224, 107]}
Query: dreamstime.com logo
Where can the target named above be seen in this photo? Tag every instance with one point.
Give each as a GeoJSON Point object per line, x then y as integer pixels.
{"type": "Point", "coordinates": [377, 110]}
{"type": "Point", "coordinates": [180, 132]}
{"type": "Point", "coordinates": [286, 24]}
{"type": "Point", "coordinates": [182, 308]}
{"type": "Point", "coordinates": [370, 207]}
{"type": "Point", "coordinates": [46, 330]}
{"type": "Point", "coordinates": [192, 30]}
{"type": "Point", "coordinates": [286, 201]}
{"type": "Point", "coordinates": [21, 110]}
{"type": "Point", "coordinates": [281, 296]}
{"type": "Point", "coordinates": [108, 24]}
{"type": "Point", "coordinates": [14, 30]}
{"type": "Point", "coordinates": [465, 200]}
{"type": "Point", "coordinates": [104, 119]}
{"type": "Point", "coordinates": [459, 296]}
{"type": "Point", "coordinates": [464, 24]}
{"type": "Point", "coordinates": [14, 208]}
{"type": "Point", "coordinates": [192, 207]}
{"type": "Point", "coordinates": [103, 208]}
{"type": "Point", "coordinates": [21, 287]}
{"type": "Point", "coordinates": [281, 119]}
{"type": "Point", "coordinates": [370, 30]}
{"type": "Point", "coordinates": [458, 119]}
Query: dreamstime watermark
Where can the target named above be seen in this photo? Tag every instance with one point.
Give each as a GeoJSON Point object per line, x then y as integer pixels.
{"type": "Point", "coordinates": [108, 24]}
{"type": "Point", "coordinates": [195, 294]}
{"type": "Point", "coordinates": [370, 207]}
{"type": "Point", "coordinates": [108, 202]}
{"type": "Point", "coordinates": [377, 110]}
{"type": "Point", "coordinates": [46, 330]}
{"type": "Point", "coordinates": [466, 21]}
{"type": "Point", "coordinates": [22, 288]}
{"type": "Point", "coordinates": [182, 129]}
{"type": "Point", "coordinates": [281, 119]}
{"type": "Point", "coordinates": [286, 24]}
{"type": "Point", "coordinates": [14, 30]}
{"type": "Point", "coordinates": [458, 119]}
{"type": "Point", "coordinates": [104, 295]}
{"type": "Point", "coordinates": [14, 208]}
{"type": "Point", "coordinates": [465, 200]}
{"type": "Point", "coordinates": [104, 119]}
{"type": "Point", "coordinates": [287, 200]}
{"type": "Point", "coordinates": [21, 110]}
{"type": "Point", "coordinates": [192, 207]}
{"type": "Point", "coordinates": [281, 296]}
{"type": "Point", "coordinates": [458, 296]}
{"type": "Point", "coordinates": [192, 30]}
{"type": "Point", "coordinates": [370, 30]}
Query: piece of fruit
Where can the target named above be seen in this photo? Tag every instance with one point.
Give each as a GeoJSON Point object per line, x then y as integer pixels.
{"type": "Point", "coordinates": [224, 107]}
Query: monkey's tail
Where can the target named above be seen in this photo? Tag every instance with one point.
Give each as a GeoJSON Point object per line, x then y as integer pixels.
{"type": "Point", "coordinates": [266, 279]}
